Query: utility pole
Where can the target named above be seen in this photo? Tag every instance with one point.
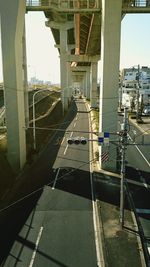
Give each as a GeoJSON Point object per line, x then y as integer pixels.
{"type": "Point", "coordinates": [33, 115]}
{"type": "Point", "coordinates": [123, 134]}
{"type": "Point", "coordinates": [138, 117]}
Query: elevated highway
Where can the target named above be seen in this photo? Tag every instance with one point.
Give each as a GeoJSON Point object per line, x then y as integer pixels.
{"type": "Point", "coordinates": [85, 31]}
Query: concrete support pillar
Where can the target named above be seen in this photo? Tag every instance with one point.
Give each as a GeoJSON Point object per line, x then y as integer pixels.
{"type": "Point", "coordinates": [110, 55]}
{"type": "Point", "coordinates": [69, 81]}
{"type": "Point", "coordinates": [88, 83]}
{"type": "Point", "coordinates": [84, 84]}
{"type": "Point", "coordinates": [12, 27]}
{"type": "Point", "coordinates": [64, 65]}
{"type": "Point", "coordinates": [93, 95]}
{"type": "Point", "coordinates": [65, 49]}
{"type": "Point", "coordinates": [64, 52]}
{"type": "Point", "coordinates": [25, 79]}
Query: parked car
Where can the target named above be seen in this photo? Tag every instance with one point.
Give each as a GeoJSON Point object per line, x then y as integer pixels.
{"type": "Point", "coordinates": [146, 110]}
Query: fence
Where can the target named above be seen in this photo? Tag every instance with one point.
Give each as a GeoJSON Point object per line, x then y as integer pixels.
{"type": "Point", "coordinates": [61, 4]}
{"type": "Point", "coordinates": [137, 3]}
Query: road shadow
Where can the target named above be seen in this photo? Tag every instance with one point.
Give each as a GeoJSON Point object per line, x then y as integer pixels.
{"type": "Point", "coordinates": [136, 174]}
{"type": "Point", "coordinates": [24, 194]}
{"type": "Point", "coordinates": [74, 181]}
{"type": "Point", "coordinates": [11, 221]}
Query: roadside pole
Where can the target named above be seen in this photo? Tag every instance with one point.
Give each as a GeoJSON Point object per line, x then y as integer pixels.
{"type": "Point", "coordinates": [123, 134]}
{"type": "Point", "coordinates": [33, 115]}
{"type": "Point", "coordinates": [138, 115]}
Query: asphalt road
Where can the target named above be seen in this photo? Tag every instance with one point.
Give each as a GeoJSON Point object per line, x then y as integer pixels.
{"type": "Point", "coordinates": [138, 174]}
{"type": "Point", "coordinates": [54, 226]}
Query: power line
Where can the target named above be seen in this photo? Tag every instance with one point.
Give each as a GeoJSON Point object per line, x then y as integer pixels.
{"type": "Point", "coordinates": [50, 183]}
{"type": "Point", "coordinates": [67, 131]}
{"type": "Point", "coordinates": [41, 188]}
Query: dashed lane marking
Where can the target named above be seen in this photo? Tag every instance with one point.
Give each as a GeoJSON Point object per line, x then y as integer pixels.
{"type": "Point", "coordinates": [67, 144]}
{"type": "Point", "coordinates": [54, 184]}
{"type": "Point", "coordinates": [36, 247]}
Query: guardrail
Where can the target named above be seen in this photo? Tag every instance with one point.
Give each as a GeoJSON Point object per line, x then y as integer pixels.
{"type": "Point", "coordinates": [82, 6]}
{"type": "Point", "coordinates": [137, 3]}
{"type": "Point", "coordinates": [136, 6]}
{"type": "Point", "coordinates": [61, 5]}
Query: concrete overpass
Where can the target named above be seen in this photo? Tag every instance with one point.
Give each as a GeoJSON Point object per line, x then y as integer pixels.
{"type": "Point", "coordinates": [85, 31]}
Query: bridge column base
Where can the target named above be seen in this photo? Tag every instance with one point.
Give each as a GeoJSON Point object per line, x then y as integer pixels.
{"type": "Point", "coordinates": [110, 55]}
{"type": "Point", "coordinates": [12, 28]}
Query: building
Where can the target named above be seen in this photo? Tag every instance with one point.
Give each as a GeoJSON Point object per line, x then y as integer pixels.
{"type": "Point", "coordinates": [134, 86]}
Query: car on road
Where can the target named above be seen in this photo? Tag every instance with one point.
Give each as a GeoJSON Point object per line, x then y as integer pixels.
{"type": "Point", "coordinates": [146, 110]}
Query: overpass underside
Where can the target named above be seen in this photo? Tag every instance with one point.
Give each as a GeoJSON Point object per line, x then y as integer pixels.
{"type": "Point", "coordinates": [85, 31]}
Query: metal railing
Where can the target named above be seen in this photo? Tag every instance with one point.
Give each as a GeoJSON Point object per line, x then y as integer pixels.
{"type": "Point", "coordinates": [83, 6]}
{"type": "Point", "coordinates": [136, 3]}
{"type": "Point", "coordinates": [136, 6]}
{"type": "Point", "coordinates": [62, 5]}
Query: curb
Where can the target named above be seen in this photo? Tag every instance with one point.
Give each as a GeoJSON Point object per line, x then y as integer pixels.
{"type": "Point", "coordinates": [100, 230]}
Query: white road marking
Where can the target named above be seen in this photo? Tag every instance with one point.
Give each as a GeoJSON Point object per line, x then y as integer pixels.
{"type": "Point", "coordinates": [96, 222]}
{"type": "Point", "coordinates": [71, 134]}
{"type": "Point", "coordinates": [142, 155]}
{"type": "Point", "coordinates": [140, 152]}
{"type": "Point", "coordinates": [63, 140]}
{"type": "Point", "coordinates": [141, 177]}
{"type": "Point", "coordinates": [99, 253]}
{"type": "Point", "coordinates": [36, 246]}
{"type": "Point", "coordinates": [67, 144]}
{"type": "Point", "coordinates": [54, 184]}
{"type": "Point", "coordinates": [66, 149]}
{"type": "Point", "coordinates": [74, 125]}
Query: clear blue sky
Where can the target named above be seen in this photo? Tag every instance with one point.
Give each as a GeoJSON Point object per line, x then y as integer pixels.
{"type": "Point", "coordinates": [43, 57]}
{"type": "Point", "coordinates": [135, 40]}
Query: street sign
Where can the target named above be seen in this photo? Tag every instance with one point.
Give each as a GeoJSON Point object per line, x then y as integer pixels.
{"type": "Point", "coordinates": [105, 156]}
{"type": "Point", "coordinates": [103, 138]}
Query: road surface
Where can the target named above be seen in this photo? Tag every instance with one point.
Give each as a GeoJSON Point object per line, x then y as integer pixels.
{"type": "Point", "coordinates": [54, 227]}
{"type": "Point", "coordinates": [138, 174]}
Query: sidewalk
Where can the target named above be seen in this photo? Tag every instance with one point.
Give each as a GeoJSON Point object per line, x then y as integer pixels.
{"type": "Point", "coordinates": [121, 247]}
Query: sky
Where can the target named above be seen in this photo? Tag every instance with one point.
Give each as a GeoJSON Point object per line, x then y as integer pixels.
{"type": "Point", "coordinates": [43, 58]}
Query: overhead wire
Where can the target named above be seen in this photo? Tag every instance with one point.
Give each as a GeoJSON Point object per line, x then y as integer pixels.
{"type": "Point", "coordinates": [54, 129]}
{"type": "Point", "coordinates": [48, 184]}
{"type": "Point", "coordinates": [16, 89]}
{"type": "Point", "coordinates": [51, 182]}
